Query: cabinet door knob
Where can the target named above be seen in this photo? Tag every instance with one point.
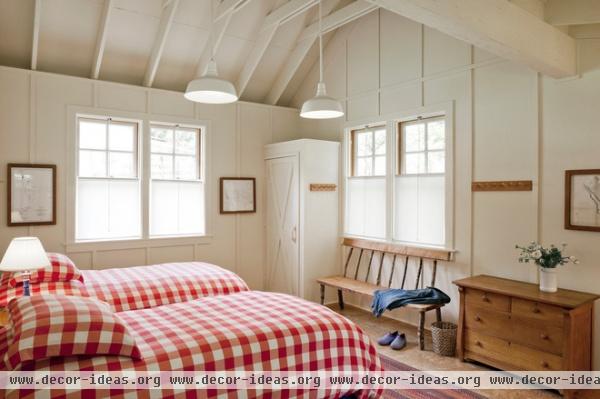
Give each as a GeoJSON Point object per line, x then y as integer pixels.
{"type": "Point", "coordinates": [477, 318]}
{"type": "Point", "coordinates": [545, 364]}
{"type": "Point", "coordinates": [544, 336]}
{"type": "Point", "coordinates": [478, 343]}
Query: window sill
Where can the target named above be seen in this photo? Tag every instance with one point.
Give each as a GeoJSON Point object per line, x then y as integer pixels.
{"type": "Point", "coordinates": [87, 246]}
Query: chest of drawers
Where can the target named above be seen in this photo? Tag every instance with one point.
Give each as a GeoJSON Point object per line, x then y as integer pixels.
{"type": "Point", "coordinates": [512, 325]}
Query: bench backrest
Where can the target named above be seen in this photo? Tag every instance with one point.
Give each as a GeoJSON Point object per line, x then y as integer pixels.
{"type": "Point", "coordinates": [422, 255]}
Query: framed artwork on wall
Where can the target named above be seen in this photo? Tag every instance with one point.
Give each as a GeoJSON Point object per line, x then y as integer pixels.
{"type": "Point", "coordinates": [238, 195]}
{"type": "Point", "coordinates": [31, 194]}
{"type": "Point", "coordinates": [582, 199]}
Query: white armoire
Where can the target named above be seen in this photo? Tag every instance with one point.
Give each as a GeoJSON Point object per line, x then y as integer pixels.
{"type": "Point", "coordinates": [302, 229]}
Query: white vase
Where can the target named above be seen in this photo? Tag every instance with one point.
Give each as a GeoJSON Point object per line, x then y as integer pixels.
{"type": "Point", "coordinates": [548, 279]}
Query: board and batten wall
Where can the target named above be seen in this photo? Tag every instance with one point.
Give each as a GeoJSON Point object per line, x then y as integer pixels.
{"type": "Point", "coordinates": [34, 126]}
{"type": "Point", "coordinates": [509, 124]}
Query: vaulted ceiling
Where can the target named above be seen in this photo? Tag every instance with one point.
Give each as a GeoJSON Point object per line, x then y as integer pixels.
{"type": "Point", "coordinates": [265, 47]}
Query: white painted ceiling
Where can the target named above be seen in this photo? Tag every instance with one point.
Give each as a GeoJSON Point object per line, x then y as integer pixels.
{"type": "Point", "coordinates": [68, 32]}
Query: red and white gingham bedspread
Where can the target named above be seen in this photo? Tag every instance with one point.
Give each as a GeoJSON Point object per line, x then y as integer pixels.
{"type": "Point", "coordinates": [245, 331]}
{"type": "Point", "coordinates": [142, 287]}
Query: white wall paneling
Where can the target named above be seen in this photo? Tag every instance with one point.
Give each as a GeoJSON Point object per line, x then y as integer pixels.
{"type": "Point", "coordinates": [36, 117]}
{"type": "Point", "coordinates": [509, 124]}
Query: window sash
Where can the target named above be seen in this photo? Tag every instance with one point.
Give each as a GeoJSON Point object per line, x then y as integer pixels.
{"type": "Point", "coordinates": [373, 156]}
{"type": "Point", "coordinates": [402, 151]}
{"type": "Point", "coordinates": [107, 151]}
{"type": "Point", "coordinates": [174, 154]}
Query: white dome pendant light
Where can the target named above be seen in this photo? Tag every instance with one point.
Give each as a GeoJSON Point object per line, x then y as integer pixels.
{"type": "Point", "coordinates": [210, 89]}
{"type": "Point", "coordinates": [321, 106]}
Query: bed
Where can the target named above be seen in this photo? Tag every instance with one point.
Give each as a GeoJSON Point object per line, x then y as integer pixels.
{"type": "Point", "coordinates": [138, 287]}
{"type": "Point", "coordinates": [249, 330]}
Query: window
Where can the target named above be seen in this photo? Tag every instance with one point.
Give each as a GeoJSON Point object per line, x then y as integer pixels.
{"type": "Point", "coordinates": [368, 152]}
{"type": "Point", "coordinates": [422, 146]}
{"type": "Point", "coordinates": [113, 186]}
{"type": "Point", "coordinates": [406, 200]}
{"type": "Point", "coordinates": [366, 183]}
{"type": "Point", "coordinates": [177, 190]}
{"type": "Point", "coordinates": [108, 184]}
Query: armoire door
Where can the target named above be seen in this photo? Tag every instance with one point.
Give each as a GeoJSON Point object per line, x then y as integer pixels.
{"type": "Point", "coordinates": [282, 224]}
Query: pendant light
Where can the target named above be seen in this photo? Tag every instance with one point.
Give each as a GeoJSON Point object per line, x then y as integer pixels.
{"type": "Point", "coordinates": [209, 88]}
{"type": "Point", "coordinates": [321, 106]}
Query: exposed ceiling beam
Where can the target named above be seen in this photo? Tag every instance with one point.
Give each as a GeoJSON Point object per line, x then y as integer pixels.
{"type": "Point", "coordinates": [166, 21]}
{"type": "Point", "coordinates": [498, 27]}
{"type": "Point", "coordinates": [36, 33]}
{"type": "Point", "coordinates": [272, 21]}
{"type": "Point", "coordinates": [101, 38]}
{"type": "Point", "coordinates": [306, 40]}
{"type": "Point", "coordinates": [572, 12]}
{"type": "Point", "coordinates": [224, 13]}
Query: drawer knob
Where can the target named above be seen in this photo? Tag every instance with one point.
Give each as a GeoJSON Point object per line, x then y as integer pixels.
{"type": "Point", "coordinates": [478, 343]}
{"type": "Point", "coordinates": [477, 318]}
{"type": "Point", "coordinates": [545, 364]}
{"type": "Point", "coordinates": [485, 298]}
{"type": "Point", "coordinates": [544, 336]}
{"type": "Point", "coordinates": [536, 310]}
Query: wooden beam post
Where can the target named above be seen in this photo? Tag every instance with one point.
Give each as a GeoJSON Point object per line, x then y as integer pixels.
{"type": "Point", "coordinates": [37, 14]}
{"type": "Point", "coordinates": [101, 39]}
{"type": "Point", "coordinates": [166, 21]}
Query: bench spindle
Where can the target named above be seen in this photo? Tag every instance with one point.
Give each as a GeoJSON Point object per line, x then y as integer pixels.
{"type": "Point", "coordinates": [434, 272]}
{"type": "Point", "coordinates": [348, 261]}
{"type": "Point", "coordinates": [369, 267]}
{"type": "Point", "coordinates": [380, 267]}
{"type": "Point", "coordinates": [405, 271]}
{"type": "Point", "coordinates": [358, 264]}
{"type": "Point", "coordinates": [392, 271]}
{"type": "Point", "coordinates": [419, 273]}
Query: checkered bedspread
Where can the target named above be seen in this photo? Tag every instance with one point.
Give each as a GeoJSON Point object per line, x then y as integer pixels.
{"type": "Point", "coordinates": [140, 287]}
{"type": "Point", "coordinates": [244, 331]}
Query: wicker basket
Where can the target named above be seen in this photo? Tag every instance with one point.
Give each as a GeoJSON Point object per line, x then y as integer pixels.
{"type": "Point", "coordinates": [444, 338]}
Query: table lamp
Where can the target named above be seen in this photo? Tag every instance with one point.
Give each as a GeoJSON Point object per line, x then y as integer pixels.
{"type": "Point", "coordinates": [24, 254]}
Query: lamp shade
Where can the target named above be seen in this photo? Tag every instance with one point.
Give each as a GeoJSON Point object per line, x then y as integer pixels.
{"type": "Point", "coordinates": [24, 254]}
{"type": "Point", "coordinates": [321, 106]}
{"type": "Point", "coordinates": [210, 89]}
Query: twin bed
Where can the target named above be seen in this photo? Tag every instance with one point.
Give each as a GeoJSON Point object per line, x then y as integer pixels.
{"type": "Point", "coordinates": [199, 317]}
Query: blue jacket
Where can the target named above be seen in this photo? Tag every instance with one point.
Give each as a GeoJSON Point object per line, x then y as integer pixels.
{"type": "Point", "coordinates": [394, 298]}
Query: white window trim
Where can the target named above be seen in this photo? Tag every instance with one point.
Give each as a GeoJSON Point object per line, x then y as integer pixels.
{"type": "Point", "coordinates": [145, 119]}
{"type": "Point", "coordinates": [391, 122]}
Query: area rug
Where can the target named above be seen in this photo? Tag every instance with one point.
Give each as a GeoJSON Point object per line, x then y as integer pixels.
{"type": "Point", "coordinates": [394, 365]}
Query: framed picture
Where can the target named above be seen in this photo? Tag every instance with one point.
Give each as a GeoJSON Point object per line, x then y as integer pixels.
{"type": "Point", "coordinates": [582, 199]}
{"type": "Point", "coordinates": [238, 194]}
{"type": "Point", "coordinates": [31, 194]}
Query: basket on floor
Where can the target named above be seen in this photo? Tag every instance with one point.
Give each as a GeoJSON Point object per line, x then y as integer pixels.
{"type": "Point", "coordinates": [443, 334]}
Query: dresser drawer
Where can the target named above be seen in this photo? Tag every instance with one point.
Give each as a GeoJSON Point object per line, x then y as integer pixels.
{"type": "Point", "coordinates": [505, 354]}
{"type": "Point", "coordinates": [487, 300]}
{"type": "Point", "coordinates": [488, 321]}
{"type": "Point", "coordinates": [537, 334]}
{"type": "Point", "coordinates": [538, 311]}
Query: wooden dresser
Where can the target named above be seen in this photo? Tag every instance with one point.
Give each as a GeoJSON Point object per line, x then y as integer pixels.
{"type": "Point", "coordinates": [512, 325]}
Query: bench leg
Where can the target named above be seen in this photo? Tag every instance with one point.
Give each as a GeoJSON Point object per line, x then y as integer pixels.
{"type": "Point", "coordinates": [421, 332]}
{"type": "Point", "coordinates": [438, 314]}
{"type": "Point", "coordinates": [341, 299]}
{"type": "Point", "coordinates": [322, 294]}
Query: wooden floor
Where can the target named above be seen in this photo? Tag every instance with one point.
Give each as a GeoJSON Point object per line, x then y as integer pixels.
{"type": "Point", "coordinates": [427, 360]}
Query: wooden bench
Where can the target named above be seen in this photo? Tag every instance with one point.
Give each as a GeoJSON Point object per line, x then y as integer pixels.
{"type": "Point", "coordinates": [423, 256]}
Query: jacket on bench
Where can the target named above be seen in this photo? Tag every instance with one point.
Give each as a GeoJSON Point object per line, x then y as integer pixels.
{"type": "Point", "coordinates": [394, 298]}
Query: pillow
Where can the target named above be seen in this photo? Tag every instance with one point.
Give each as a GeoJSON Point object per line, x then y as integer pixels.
{"type": "Point", "coordinates": [45, 326]}
{"type": "Point", "coordinates": [61, 269]}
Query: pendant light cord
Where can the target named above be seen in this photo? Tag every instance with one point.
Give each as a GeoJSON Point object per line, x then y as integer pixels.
{"type": "Point", "coordinates": [320, 43]}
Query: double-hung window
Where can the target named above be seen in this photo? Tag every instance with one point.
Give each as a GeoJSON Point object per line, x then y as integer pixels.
{"type": "Point", "coordinates": [177, 187]}
{"type": "Point", "coordinates": [398, 182]}
{"type": "Point", "coordinates": [138, 180]}
{"type": "Point", "coordinates": [108, 180]}
{"type": "Point", "coordinates": [365, 186]}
